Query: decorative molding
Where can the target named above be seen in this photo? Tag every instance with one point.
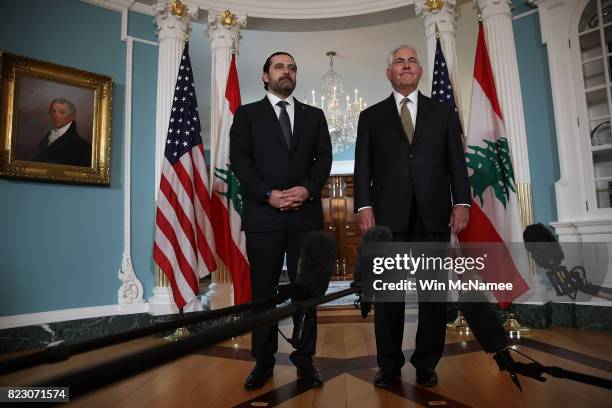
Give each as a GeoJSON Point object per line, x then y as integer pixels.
{"type": "Point", "coordinates": [445, 18]}
{"type": "Point", "coordinates": [131, 290]}
{"type": "Point", "coordinates": [286, 10]}
{"type": "Point", "coordinates": [525, 14]}
{"type": "Point", "coordinates": [28, 319]}
{"type": "Point", "coordinates": [584, 231]}
{"type": "Point", "coordinates": [171, 25]}
{"type": "Point", "coordinates": [489, 8]}
{"type": "Point", "coordinates": [115, 5]}
{"type": "Point", "coordinates": [162, 302]}
{"type": "Point", "coordinates": [302, 9]}
{"type": "Point", "coordinates": [559, 22]}
{"type": "Point", "coordinates": [223, 30]}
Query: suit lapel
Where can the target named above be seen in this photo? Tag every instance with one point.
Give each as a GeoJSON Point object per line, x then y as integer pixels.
{"type": "Point", "coordinates": [423, 111]}
{"type": "Point", "coordinates": [394, 118]}
{"type": "Point", "coordinates": [269, 116]}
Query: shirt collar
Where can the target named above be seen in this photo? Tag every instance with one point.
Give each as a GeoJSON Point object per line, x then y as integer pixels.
{"type": "Point", "coordinates": [275, 99]}
{"type": "Point", "coordinates": [412, 97]}
{"type": "Point", "coordinates": [63, 129]}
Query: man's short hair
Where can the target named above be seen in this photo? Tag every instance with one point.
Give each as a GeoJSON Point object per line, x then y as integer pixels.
{"type": "Point", "coordinates": [64, 101]}
{"type": "Point", "coordinates": [266, 67]}
{"type": "Point", "coordinates": [401, 47]}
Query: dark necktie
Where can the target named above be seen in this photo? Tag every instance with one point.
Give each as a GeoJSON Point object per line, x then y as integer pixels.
{"type": "Point", "coordinates": [285, 123]}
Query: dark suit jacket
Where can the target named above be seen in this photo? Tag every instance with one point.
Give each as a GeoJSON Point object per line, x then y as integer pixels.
{"type": "Point", "coordinates": [262, 161]}
{"type": "Point", "coordinates": [69, 149]}
{"type": "Point", "coordinates": [390, 172]}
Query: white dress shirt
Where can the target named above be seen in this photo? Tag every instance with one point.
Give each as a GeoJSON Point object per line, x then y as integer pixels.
{"type": "Point", "coordinates": [55, 134]}
{"type": "Point", "coordinates": [413, 103]}
{"type": "Point", "coordinates": [290, 108]}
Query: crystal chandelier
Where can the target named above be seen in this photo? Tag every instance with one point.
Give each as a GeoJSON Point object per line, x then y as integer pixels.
{"type": "Point", "coordinates": [341, 112]}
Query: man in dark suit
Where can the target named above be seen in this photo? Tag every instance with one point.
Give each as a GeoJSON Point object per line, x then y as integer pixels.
{"type": "Point", "coordinates": [62, 144]}
{"type": "Point", "coordinates": [411, 176]}
{"type": "Point", "coordinates": [280, 150]}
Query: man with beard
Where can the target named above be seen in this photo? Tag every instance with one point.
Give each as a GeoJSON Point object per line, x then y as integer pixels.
{"type": "Point", "coordinates": [280, 150]}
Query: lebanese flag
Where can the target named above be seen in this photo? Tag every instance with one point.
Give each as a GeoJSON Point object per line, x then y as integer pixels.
{"type": "Point", "coordinates": [226, 200]}
{"type": "Point", "coordinates": [495, 215]}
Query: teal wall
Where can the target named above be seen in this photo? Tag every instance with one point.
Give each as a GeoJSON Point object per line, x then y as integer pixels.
{"type": "Point", "coordinates": [61, 245]}
{"type": "Point", "coordinates": [538, 109]}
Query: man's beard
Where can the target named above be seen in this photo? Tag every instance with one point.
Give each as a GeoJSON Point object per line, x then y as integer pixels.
{"type": "Point", "coordinates": [282, 87]}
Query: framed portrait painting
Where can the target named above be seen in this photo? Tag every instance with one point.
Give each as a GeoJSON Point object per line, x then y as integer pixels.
{"type": "Point", "coordinates": [55, 122]}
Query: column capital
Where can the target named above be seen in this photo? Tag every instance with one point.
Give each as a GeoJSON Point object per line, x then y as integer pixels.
{"type": "Point", "coordinates": [442, 13]}
{"type": "Point", "coordinates": [489, 8]}
{"type": "Point", "coordinates": [224, 29]}
{"type": "Point", "coordinates": [173, 19]}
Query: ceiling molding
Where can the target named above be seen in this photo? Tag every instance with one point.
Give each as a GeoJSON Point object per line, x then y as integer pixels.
{"type": "Point", "coordinates": [272, 9]}
{"type": "Point", "coordinates": [302, 9]}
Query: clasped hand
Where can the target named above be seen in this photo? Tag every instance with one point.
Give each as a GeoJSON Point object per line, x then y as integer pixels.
{"type": "Point", "coordinates": [290, 199]}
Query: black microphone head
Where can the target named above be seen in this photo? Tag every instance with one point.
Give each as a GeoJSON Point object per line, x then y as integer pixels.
{"type": "Point", "coordinates": [484, 323]}
{"type": "Point", "coordinates": [317, 262]}
{"type": "Point", "coordinates": [378, 233]}
{"type": "Point", "coordinates": [545, 256]}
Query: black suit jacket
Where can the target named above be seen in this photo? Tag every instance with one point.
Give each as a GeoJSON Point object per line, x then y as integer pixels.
{"type": "Point", "coordinates": [262, 161]}
{"type": "Point", "coordinates": [390, 172]}
{"type": "Point", "coordinates": [69, 149]}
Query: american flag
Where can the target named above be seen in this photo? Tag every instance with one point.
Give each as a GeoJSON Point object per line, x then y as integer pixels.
{"type": "Point", "coordinates": [184, 247]}
{"type": "Point", "coordinates": [441, 87]}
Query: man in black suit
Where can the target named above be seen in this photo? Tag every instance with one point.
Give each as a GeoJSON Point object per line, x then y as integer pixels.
{"type": "Point", "coordinates": [62, 144]}
{"type": "Point", "coordinates": [280, 150]}
{"type": "Point", "coordinates": [411, 176]}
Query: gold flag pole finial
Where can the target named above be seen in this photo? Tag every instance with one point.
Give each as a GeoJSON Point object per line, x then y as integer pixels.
{"type": "Point", "coordinates": [434, 5]}
{"type": "Point", "coordinates": [228, 19]}
{"type": "Point", "coordinates": [177, 8]}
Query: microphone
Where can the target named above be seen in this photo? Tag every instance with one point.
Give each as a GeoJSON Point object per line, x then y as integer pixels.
{"type": "Point", "coordinates": [488, 330]}
{"type": "Point", "coordinates": [315, 267]}
{"type": "Point", "coordinates": [550, 256]}
{"type": "Point", "coordinates": [378, 233]}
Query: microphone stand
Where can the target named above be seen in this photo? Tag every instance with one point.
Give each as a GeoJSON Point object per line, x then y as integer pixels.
{"type": "Point", "coordinates": [536, 370]}
{"type": "Point", "coordinates": [64, 351]}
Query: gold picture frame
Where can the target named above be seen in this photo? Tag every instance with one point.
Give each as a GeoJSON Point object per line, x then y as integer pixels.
{"type": "Point", "coordinates": [55, 122]}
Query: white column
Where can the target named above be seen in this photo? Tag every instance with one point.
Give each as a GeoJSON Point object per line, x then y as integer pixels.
{"type": "Point", "coordinates": [556, 16]}
{"type": "Point", "coordinates": [171, 32]}
{"type": "Point", "coordinates": [445, 18]}
{"type": "Point", "coordinates": [173, 23]}
{"type": "Point", "coordinates": [497, 21]}
{"type": "Point", "coordinates": [224, 34]}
